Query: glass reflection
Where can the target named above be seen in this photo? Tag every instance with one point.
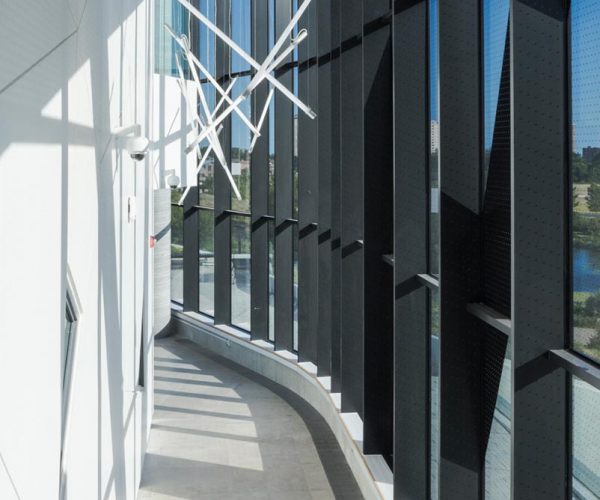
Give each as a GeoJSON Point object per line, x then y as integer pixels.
{"type": "Point", "coordinates": [241, 32]}
{"type": "Point", "coordinates": [176, 248]}
{"type": "Point", "coordinates": [206, 262]}
{"type": "Point", "coordinates": [585, 170]}
{"type": "Point", "coordinates": [434, 246]}
{"type": "Point", "coordinates": [498, 452]}
{"type": "Point", "coordinates": [206, 175]}
{"type": "Point", "coordinates": [241, 138]}
{"type": "Point", "coordinates": [240, 272]}
{"type": "Point", "coordinates": [434, 144]}
{"type": "Point", "coordinates": [295, 289]}
{"type": "Point", "coordinates": [271, 281]}
{"type": "Point", "coordinates": [496, 73]}
{"type": "Point", "coordinates": [586, 441]}
{"type": "Point", "coordinates": [434, 314]}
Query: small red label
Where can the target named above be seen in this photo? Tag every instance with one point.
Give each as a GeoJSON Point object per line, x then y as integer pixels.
{"type": "Point", "coordinates": [152, 241]}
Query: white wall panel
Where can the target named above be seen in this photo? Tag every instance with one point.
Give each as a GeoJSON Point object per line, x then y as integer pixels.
{"type": "Point", "coordinates": [172, 131]}
{"type": "Point", "coordinates": [64, 187]}
{"type": "Point", "coordinates": [33, 176]}
{"type": "Point", "coordinates": [31, 28]}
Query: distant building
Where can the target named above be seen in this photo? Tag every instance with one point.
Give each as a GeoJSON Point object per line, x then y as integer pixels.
{"type": "Point", "coordinates": [590, 153]}
{"type": "Point", "coordinates": [435, 136]}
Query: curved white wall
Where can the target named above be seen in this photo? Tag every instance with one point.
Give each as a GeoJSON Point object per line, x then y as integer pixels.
{"type": "Point", "coordinates": [70, 72]}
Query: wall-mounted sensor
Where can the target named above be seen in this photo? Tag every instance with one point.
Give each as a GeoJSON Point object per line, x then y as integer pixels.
{"type": "Point", "coordinates": [172, 179]}
{"type": "Point", "coordinates": [137, 147]}
{"type": "Point", "coordinates": [131, 139]}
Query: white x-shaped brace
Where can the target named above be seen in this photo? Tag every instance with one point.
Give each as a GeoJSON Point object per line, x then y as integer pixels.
{"type": "Point", "coordinates": [192, 59]}
{"type": "Point", "coordinates": [213, 136]}
{"type": "Point", "coordinates": [263, 70]}
{"type": "Point", "coordinates": [209, 129]}
{"type": "Point", "coordinates": [234, 105]}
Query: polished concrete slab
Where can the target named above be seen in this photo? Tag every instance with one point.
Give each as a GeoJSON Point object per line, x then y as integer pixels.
{"type": "Point", "coordinates": [222, 432]}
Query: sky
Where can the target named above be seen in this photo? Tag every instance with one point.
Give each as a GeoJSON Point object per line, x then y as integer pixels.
{"type": "Point", "coordinates": [585, 61]}
{"type": "Point", "coordinates": [433, 61]}
{"type": "Point", "coordinates": [495, 26]}
{"type": "Point", "coordinates": [585, 72]}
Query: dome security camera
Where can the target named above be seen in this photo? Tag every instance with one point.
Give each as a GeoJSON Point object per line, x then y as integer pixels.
{"type": "Point", "coordinates": [137, 147]}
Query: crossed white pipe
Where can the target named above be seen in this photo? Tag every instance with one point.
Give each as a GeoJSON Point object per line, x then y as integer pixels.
{"type": "Point", "coordinates": [211, 127]}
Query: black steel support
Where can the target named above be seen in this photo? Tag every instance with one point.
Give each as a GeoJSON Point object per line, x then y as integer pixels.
{"type": "Point", "coordinates": [284, 199]}
{"type": "Point", "coordinates": [222, 188]}
{"type": "Point", "coordinates": [308, 192]}
{"type": "Point", "coordinates": [191, 286]}
{"type": "Point", "coordinates": [378, 228]}
{"type": "Point", "coordinates": [324, 27]}
{"type": "Point", "coordinates": [461, 460]}
{"type": "Point", "coordinates": [412, 345]}
{"type": "Point", "coordinates": [352, 206]}
{"type": "Point", "coordinates": [336, 213]}
{"type": "Point", "coordinates": [540, 405]}
{"type": "Point", "coordinates": [259, 172]}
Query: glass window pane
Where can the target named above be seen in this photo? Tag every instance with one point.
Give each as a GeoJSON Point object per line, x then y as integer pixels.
{"type": "Point", "coordinates": [295, 125]}
{"type": "Point", "coordinates": [206, 175]}
{"type": "Point", "coordinates": [495, 40]}
{"type": "Point", "coordinates": [176, 248]}
{"type": "Point", "coordinates": [272, 118]}
{"type": "Point", "coordinates": [240, 272]}
{"type": "Point", "coordinates": [498, 452]}
{"type": "Point", "coordinates": [496, 137]}
{"type": "Point", "coordinates": [241, 137]}
{"type": "Point", "coordinates": [174, 14]}
{"type": "Point", "coordinates": [295, 290]}
{"type": "Point", "coordinates": [241, 23]}
{"type": "Point", "coordinates": [434, 311]}
{"type": "Point", "coordinates": [206, 49]}
{"type": "Point", "coordinates": [295, 178]}
{"type": "Point", "coordinates": [207, 262]}
{"type": "Point", "coordinates": [585, 167]}
{"type": "Point", "coordinates": [272, 281]}
{"type": "Point", "coordinates": [434, 236]}
{"type": "Point", "coordinates": [586, 441]}
{"type": "Point", "coordinates": [271, 195]}
{"type": "Point", "coordinates": [434, 167]}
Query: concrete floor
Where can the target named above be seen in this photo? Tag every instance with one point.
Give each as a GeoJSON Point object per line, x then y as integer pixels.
{"type": "Point", "coordinates": [222, 432]}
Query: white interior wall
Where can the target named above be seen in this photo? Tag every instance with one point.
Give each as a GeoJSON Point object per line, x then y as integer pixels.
{"type": "Point", "coordinates": [173, 131]}
{"type": "Point", "coordinates": [74, 71]}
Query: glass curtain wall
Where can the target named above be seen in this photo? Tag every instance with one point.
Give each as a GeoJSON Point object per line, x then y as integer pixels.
{"type": "Point", "coordinates": [241, 137]}
{"type": "Point", "coordinates": [496, 138]}
{"type": "Point", "coordinates": [173, 13]}
{"type": "Point", "coordinates": [271, 189]}
{"type": "Point", "coordinates": [240, 27]}
{"type": "Point", "coordinates": [295, 178]}
{"type": "Point", "coordinates": [206, 51]}
{"type": "Point", "coordinates": [494, 75]}
{"type": "Point", "coordinates": [585, 168]}
{"type": "Point", "coordinates": [585, 186]}
{"type": "Point", "coordinates": [176, 247]}
{"type": "Point", "coordinates": [434, 242]}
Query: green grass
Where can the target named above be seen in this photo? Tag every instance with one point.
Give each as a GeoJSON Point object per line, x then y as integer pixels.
{"type": "Point", "coordinates": [176, 250]}
{"type": "Point", "coordinates": [590, 352]}
{"type": "Point", "coordinates": [581, 296]}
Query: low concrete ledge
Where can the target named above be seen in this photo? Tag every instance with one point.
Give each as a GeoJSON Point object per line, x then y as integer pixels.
{"type": "Point", "coordinates": [371, 472]}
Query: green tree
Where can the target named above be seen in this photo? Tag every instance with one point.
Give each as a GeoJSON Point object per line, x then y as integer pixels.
{"type": "Point", "coordinates": [594, 197]}
{"type": "Point", "coordinates": [581, 171]}
{"type": "Point", "coordinates": [594, 170]}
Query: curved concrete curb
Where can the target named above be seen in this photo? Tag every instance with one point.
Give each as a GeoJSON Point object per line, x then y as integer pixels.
{"type": "Point", "coordinates": [371, 472]}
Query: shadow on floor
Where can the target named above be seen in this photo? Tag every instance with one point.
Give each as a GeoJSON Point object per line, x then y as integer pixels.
{"type": "Point", "coordinates": [223, 431]}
